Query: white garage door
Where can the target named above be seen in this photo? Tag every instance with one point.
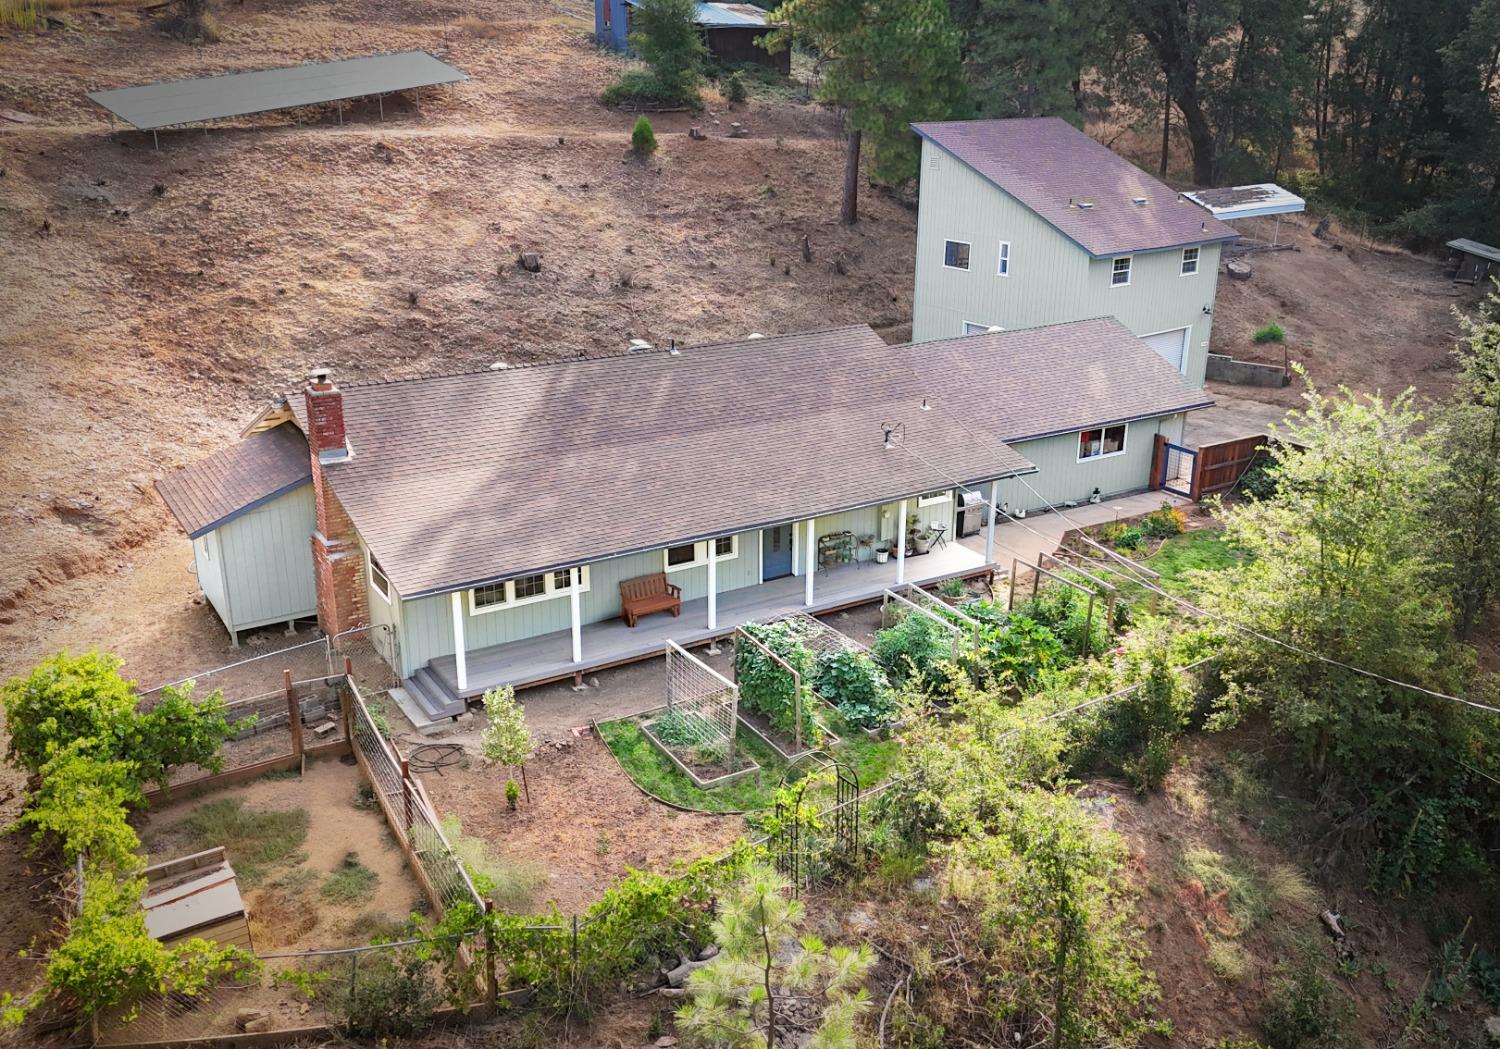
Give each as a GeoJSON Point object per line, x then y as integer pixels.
{"type": "Point", "coordinates": [1172, 345]}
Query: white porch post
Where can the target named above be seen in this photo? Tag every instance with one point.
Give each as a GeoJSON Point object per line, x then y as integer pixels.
{"type": "Point", "coordinates": [901, 542]}
{"type": "Point", "coordinates": [458, 640]}
{"type": "Point", "coordinates": [575, 583]}
{"type": "Point", "coordinates": [713, 585]}
{"type": "Point", "coordinates": [812, 561]}
{"type": "Point", "coordinates": [989, 536]}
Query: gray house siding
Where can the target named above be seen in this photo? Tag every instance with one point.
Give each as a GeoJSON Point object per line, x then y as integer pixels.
{"type": "Point", "coordinates": [1051, 278]}
{"type": "Point", "coordinates": [208, 563]}
{"type": "Point", "coordinates": [265, 560]}
{"type": "Point", "coordinates": [1061, 476]}
{"type": "Point", "coordinates": [426, 624]}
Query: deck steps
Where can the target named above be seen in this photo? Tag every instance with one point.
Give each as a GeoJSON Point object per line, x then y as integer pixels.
{"type": "Point", "coordinates": [432, 696]}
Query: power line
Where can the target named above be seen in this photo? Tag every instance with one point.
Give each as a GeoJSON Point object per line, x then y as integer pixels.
{"type": "Point", "coordinates": [1140, 579]}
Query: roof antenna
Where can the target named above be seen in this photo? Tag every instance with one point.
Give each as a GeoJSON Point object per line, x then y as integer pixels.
{"type": "Point", "coordinates": [672, 348]}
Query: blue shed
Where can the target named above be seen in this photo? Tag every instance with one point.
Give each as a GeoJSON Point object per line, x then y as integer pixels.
{"type": "Point", "coordinates": [730, 30]}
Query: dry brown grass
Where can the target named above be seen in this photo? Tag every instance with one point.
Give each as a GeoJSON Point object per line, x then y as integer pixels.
{"type": "Point", "coordinates": [478, 27]}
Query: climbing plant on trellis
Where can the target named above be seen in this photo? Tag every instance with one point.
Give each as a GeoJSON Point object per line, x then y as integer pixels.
{"type": "Point", "coordinates": [703, 703]}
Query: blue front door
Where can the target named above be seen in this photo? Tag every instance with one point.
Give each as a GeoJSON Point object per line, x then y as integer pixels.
{"type": "Point", "coordinates": [776, 551]}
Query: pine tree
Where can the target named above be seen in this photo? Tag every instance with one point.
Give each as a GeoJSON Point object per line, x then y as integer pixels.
{"type": "Point", "coordinates": [1027, 59]}
{"type": "Point", "coordinates": [754, 993]}
{"type": "Point", "coordinates": [667, 39]}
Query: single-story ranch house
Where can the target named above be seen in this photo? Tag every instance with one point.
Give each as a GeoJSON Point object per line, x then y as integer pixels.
{"type": "Point", "coordinates": [521, 524]}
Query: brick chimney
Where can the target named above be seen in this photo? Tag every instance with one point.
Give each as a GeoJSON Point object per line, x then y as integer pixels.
{"type": "Point", "coordinates": [337, 564]}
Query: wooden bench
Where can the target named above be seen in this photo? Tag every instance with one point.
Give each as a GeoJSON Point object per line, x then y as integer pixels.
{"type": "Point", "coordinates": [646, 594]}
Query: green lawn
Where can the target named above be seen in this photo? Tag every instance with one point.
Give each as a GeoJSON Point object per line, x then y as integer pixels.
{"type": "Point", "coordinates": [1202, 549]}
{"type": "Point", "coordinates": [872, 760]}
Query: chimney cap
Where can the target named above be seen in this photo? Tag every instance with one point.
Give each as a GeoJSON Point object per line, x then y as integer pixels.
{"type": "Point", "coordinates": [320, 376]}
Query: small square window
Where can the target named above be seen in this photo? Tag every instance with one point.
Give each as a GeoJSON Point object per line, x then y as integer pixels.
{"type": "Point", "coordinates": [1119, 274]}
{"type": "Point", "coordinates": [490, 596]}
{"type": "Point", "coordinates": [530, 586]}
{"type": "Point", "coordinates": [685, 554]}
{"type": "Point", "coordinates": [1189, 261]}
{"type": "Point", "coordinates": [724, 546]}
{"type": "Point", "coordinates": [956, 254]}
{"type": "Point", "coordinates": [1003, 269]}
{"type": "Point", "coordinates": [562, 579]}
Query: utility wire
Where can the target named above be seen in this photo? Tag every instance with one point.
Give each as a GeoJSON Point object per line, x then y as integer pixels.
{"type": "Point", "coordinates": [1131, 568]}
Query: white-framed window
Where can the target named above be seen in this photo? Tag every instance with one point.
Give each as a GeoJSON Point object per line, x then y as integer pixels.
{"type": "Point", "coordinates": [1101, 443]}
{"type": "Point", "coordinates": [971, 328]}
{"type": "Point", "coordinates": [956, 254]}
{"type": "Point", "coordinates": [695, 555]}
{"type": "Point", "coordinates": [1189, 261]}
{"type": "Point", "coordinates": [933, 498]}
{"type": "Point", "coordinates": [527, 588]}
{"type": "Point", "coordinates": [379, 581]}
{"type": "Point", "coordinates": [1119, 272]}
{"type": "Point", "coordinates": [1002, 266]}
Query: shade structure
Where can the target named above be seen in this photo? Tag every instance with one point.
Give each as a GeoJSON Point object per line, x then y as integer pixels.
{"type": "Point", "coordinates": [173, 102]}
{"type": "Point", "coordinates": [1244, 202]}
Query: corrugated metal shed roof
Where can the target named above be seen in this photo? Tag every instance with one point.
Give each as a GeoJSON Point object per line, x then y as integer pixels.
{"type": "Point", "coordinates": [1473, 247]}
{"type": "Point", "coordinates": [1247, 202]}
{"type": "Point", "coordinates": [464, 479]}
{"type": "Point", "coordinates": [213, 491]}
{"type": "Point", "coordinates": [1096, 198]}
{"type": "Point", "coordinates": [1036, 382]}
{"type": "Point", "coordinates": [724, 15]}
{"type": "Point", "coordinates": [172, 102]}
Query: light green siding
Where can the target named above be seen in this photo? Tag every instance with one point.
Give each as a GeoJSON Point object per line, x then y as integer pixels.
{"type": "Point", "coordinates": [426, 624]}
{"type": "Point", "coordinates": [1061, 476]}
{"type": "Point", "coordinates": [385, 615]}
{"type": "Point", "coordinates": [1051, 278]}
{"type": "Point", "coordinates": [267, 562]}
{"type": "Point", "coordinates": [208, 563]}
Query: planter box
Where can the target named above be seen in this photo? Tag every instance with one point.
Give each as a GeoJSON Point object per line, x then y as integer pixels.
{"type": "Point", "coordinates": [698, 781]}
{"type": "Point", "coordinates": [763, 733]}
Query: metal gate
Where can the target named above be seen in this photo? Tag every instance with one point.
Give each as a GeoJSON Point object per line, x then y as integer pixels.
{"type": "Point", "coordinates": [1177, 468]}
{"type": "Point", "coordinates": [801, 846]}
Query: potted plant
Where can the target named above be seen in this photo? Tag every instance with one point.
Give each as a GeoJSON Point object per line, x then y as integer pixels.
{"type": "Point", "coordinates": [921, 539]}
{"type": "Point", "coordinates": [882, 552]}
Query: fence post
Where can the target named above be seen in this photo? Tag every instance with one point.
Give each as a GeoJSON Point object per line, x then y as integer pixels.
{"type": "Point", "coordinates": [406, 795]}
{"type": "Point", "coordinates": [346, 701]}
{"type": "Point", "coordinates": [1088, 628]}
{"type": "Point", "coordinates": [1010, 600]}
{"type": "Point", "coordinates": [1158, 461]}
{"type": "Point", "coordinates": [293, 713]}
{"type": "Point", "coordinates": [492, 976]}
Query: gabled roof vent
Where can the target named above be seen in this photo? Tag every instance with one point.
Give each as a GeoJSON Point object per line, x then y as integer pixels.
{"type": "Point", "coordinates": [639, 346]}
{"type": "Point", "coordinates": [1139, 202]}
{"type": "Point", "coordinates": [1085, 205]}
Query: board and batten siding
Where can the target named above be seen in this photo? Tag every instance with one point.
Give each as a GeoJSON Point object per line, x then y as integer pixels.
{"type": "Point", "coordinates": [266, 561]}
{"type": "Point", "coordinates": [208, 563]}
{"type": "Point", "coordinates": [425, 624]}
{"type": "Point", "coordinates": [1060, 476]}
{"type": "Point", "coordinates": [1051, 279]}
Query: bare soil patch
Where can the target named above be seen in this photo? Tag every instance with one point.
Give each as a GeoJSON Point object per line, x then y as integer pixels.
{"type": "Point", "coordinates": [586, 822]}
{"type": "Point", "coordinates": [288, 910]}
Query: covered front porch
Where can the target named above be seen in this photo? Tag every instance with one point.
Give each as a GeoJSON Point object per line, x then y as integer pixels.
{"type": "Point", "coordinates": [550, 657]}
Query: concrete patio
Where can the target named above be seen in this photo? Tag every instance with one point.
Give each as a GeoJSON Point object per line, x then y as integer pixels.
{"type": "Point", "coordinates": [1041, 533]}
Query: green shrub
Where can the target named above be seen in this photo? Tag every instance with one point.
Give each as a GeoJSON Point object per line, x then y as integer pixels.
{"type": "Point", "coordinates": [1130, 538]}
{"type": "Point", "coordinates": [665, 35]}
{"type": "Point", "coordinates": [642, 138]}
{"type": "Point", "coordinates": [640, 87]}
{"type": "Point", "coordinates": [1301, 1013]}
{"type": "Point", "coordinates": [952, 588]}
{"type": "Point", "coordinates": [1269, 333]}
{"type": "Point", "coordinates": [852, 682]}
{"type": "Point", "coordinates": [83, 806]}
{"type": "Point", "coordinates": [510, 882]}
{"type": "Point", "coordinates": [395, 995]}
{"type": "Point", "coordinates": [1064, 611]}
{"type": "Point", "coordinates": [1163, 523]}
{"type": "Point", "coordinates": [1259, 482]}
{"type": "Point", "coordinates": [1013, 654]}
{"type": "Point", "coordinates": [734, 87]}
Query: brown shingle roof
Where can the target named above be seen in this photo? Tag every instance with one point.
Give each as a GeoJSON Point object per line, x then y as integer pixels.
{"type": "Point", "coordinates": [1051, 167]}
{"type": "Point", "coordinates": [1035, 382]}
{"type": "Point", "coordinates": [211, 492]}
{"type": "Point", "coordinates": [462, 479]}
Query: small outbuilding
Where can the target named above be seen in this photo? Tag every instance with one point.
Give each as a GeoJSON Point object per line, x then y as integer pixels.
{"type": "Point", "coordinates": [250, 514]}
{"type": "Point", "coordinates": [1472, 262]}
{"type": "Point", "coordinates": [196, 897]}
{"type": "Point", "coordinates": [731, 31]}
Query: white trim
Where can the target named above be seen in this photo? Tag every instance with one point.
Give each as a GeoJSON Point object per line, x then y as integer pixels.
{"type": "Point", "coordinates": [989, 534]}
{"type": "Point", "coordinates": [1124, 437]}
{"type": "Point", "coordinates": [812, 568]}
{"type": "Point", "coordinates": [760, 560]}
{"type": "Point", "coordinates": [1182, 270]}
{"type": "Point", "coordinates": [1129, 261]}
{"type": "Point", "coordinates": [460, 662]}
{"type": "Point", "coordinates": [713, 593]}
{"type": "Point", "coordinates": [700, 553]}
{"type": "Point", "coordinates": [970, 259]}
{"type": "Point", "coordinates": [575, 611]}
{"type": "Point", "coordinates": [980, 329]}
{"type": "Point", "coordinates": [511, 600]}
{"type": "Point", "coordinates": [1002, 260]}
{"type": "Point", "coordinates": [373, 568]}
{"type": "Point", "coordinates": [1187, 343]}
{"type": "Point", "coordinates": [901, 542]}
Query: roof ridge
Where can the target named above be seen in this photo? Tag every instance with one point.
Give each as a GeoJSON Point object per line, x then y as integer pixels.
{"type": "Point", "coordinates": [1016, 331]}
{"type": "Point", "coordinates": [586, 358]}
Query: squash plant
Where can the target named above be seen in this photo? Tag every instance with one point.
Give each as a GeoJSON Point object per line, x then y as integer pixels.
{"type": "Point", "coordinates": [852, 682]}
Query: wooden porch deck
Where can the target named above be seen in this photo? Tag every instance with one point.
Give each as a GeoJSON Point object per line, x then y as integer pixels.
{"type": "Point", "coordinates": [539, 660]}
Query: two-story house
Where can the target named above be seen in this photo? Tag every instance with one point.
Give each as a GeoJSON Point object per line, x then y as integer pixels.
{"type": "Point", "coordinates": [1027, 222]}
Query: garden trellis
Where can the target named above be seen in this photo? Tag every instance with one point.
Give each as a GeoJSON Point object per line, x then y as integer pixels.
{"type": "Point", "coordinates": [1037, 571]}
{"type": "Point", "coordinates": [698, 692]}
{"type": "Point", "coordinates": [817, 635]}
{"type": "Point", "coordinates": [895, 607]}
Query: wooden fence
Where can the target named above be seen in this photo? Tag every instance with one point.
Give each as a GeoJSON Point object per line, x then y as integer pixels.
{"type": "Point", "coordinates": [1216, 467]}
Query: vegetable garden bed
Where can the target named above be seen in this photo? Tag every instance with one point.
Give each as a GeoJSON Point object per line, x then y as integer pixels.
{"type": "Point", "coordinates": [782, 746]}
{"type": "Point", "coordinates": [707, 766]}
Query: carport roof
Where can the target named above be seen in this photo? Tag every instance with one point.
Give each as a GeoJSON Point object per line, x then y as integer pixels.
{"type": "Point", "coordinates": [172, 102]}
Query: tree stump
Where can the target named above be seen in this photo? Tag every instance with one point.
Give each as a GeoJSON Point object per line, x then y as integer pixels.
{"type": "Point", "coordinates": [696, 133]}
{"type": "Point", "coordinates": [1238, 269]}
{"type": "Point", "coordinates": [530, 261]}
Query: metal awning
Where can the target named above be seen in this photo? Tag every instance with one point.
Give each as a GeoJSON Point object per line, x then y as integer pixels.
{"type": "Point", "coordinates": [173, 102]}
{"type": "Point", "coordinates": [1246, 202]}
{"type": "Point", "coordinates": [1473, 247]}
